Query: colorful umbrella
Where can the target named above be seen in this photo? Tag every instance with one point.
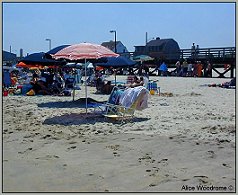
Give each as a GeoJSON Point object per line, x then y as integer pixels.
{"type": "Point", "coordinates": [86, 52]}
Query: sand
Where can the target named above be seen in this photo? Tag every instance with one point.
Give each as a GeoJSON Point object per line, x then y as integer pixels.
{"type": "Point", "coordinates": [184, 142]}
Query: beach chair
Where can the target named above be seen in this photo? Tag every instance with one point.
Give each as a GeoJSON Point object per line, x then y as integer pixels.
{"type": "Point", "coordinates": [153, 87]}
{"type": "Point", "coordinates": [123, 102]}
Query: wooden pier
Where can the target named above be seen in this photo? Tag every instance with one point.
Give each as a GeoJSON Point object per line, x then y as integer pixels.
{"type": "Point", "coordinates": [218, 57]}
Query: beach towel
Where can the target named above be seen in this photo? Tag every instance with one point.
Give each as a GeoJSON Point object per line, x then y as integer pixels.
{"type": "Point", "coordinates": [130, 95]}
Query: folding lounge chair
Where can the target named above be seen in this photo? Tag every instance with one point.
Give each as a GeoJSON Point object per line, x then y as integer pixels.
{"type": "Point", "coordinates": [123, 103]}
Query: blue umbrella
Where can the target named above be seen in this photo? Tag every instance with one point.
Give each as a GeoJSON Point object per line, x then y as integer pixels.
{"type": "Point", "coordinates": [56, 49]}
{"type": "Point", "coordinates": [117, 62]}
{"type": "Point", "coordinates": [38, 58]}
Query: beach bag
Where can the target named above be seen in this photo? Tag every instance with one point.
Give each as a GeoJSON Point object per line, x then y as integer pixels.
{"type": "Point", "coordinates": [31, 93]}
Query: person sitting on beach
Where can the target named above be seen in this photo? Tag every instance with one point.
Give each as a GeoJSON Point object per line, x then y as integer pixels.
{"type": "Point", "coordinates": [229, 84]}
{"type": "Point", "coordinates": [39, 86]}
{"type": "Point", "coordinates": [137, 82]}
{"type": "Point", "coordinates": [107, 88]}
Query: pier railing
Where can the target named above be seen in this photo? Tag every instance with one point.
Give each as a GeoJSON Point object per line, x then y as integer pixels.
{"type": "Point", "coordinates": [208, 53]}
{"type": "Point", "coordinates": [218, 57]}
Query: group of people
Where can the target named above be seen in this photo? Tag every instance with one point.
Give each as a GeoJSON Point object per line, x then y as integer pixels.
{"type": "Point", "coordinates": [40, 82]}
{"type": "Point", "coordinates": [189, 69]}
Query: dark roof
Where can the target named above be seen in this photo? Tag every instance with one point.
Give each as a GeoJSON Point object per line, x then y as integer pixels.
{"type": "Point", "coordinates": [110, 45]}
{"type": "Point", "coordinates": [7, 56]}
{"type": "Point", "coordinates": [158, 42]}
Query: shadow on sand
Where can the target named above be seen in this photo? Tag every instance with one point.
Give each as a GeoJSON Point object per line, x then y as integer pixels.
{"type": "Point", "coordinates": [83, 118]}
{"type": "Point", "coordinates": [80, 103]}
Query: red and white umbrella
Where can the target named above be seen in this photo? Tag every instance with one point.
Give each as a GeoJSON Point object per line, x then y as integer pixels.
{"type": "Point", "coordinates": [86, 51]}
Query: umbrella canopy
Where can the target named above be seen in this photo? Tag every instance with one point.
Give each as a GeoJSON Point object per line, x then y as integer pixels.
{"type": "Point", "coordinates": [73, 65]}
{"type": "Point", "coordinates": [117, 62]}
{"type": "Point", "coordinates": [142, 58]}
{"type": "Point", "coordinates": [38, 58]}
{"type": "Point", "coordinates": [56, 49]}
{"type": "Point", "coordinates": [84, 51]}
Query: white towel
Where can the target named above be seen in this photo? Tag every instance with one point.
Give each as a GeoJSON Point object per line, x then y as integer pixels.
{"type": "Point", "coordinates": [130, 95]}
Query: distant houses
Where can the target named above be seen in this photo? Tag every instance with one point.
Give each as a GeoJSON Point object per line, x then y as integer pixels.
{"type": "Point", "coordinates": [160, 49]}
{"type": "Point", "coordinates": [120, 48]}
{"type": "Point", "coordinates": [156, 48]}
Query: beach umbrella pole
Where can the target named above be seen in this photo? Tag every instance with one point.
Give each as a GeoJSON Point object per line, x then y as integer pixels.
{"type": "Point", "coordinates": [115, 77]}
{"type": "Point", "coordinates": [74, 87]}
{"type": "Point", "coordinates": [86, 95]}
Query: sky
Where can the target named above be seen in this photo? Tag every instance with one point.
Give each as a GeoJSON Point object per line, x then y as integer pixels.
{"type": "Point", "coordinates": [28, 25]}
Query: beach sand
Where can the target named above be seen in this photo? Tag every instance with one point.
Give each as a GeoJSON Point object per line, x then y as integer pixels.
{"type": "Point", "coordinates": [183, 141]}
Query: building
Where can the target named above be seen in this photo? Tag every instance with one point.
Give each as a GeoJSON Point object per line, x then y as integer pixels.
{"type": "Point", "coordinates": [121, 49]}
{"type": "Point", "coordinates": [160, 49]}
{"type": "Point", "coordinates": [8, 58]}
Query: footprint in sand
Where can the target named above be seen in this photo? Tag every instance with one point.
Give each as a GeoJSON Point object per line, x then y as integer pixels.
{"type": "Point", "coordinates": [163, 162]}
{"type": "Point", "coordinates": [211, 154]}
{"type": "Point", "coordinates": [72, 147]}
{"type": "Point", "coordinates": [226, 165]}
{"type": "Point", "coordinates": [116, 154]}
{"type": "Point", "coordinates": [27, 150]}
{"type": "Point", "coordinates": [202, 178]}
{"type": "Point", "coordinates": [48, 157]}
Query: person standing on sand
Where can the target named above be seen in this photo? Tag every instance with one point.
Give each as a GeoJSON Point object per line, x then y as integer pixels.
{"type": "Point", "coordinates": [184, 68]}
{"type": "Point", "coordinates": [209, 69]}
{"type": "Point", "coordinates": [195, 67]}
{"type": "Point", "coordinates": [178, 68]}
{"type": "Point", "coordinates": [199, 69]}
{"type": "Point", "coordinates": [190, 71]}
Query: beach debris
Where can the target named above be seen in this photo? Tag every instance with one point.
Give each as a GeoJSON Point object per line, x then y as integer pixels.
{"type": "Point", "coordinates": [211, 154]}
{"type": "Point", "coordinates": [72, 147]}
{"type": "Point", "coordinates": [113, 147]}
{"type": "Point", "coordinates": [195, 94]}
{"type": "Point", "coordinates": [226, 165]}
{"type": "Point", "coordinates": [48, 157]}
{"type": "Point", "coordinates": [167, 94]}
{"type": "Point", "coordinates": [152, 185]}
{"type": "Point", "coordinates": [164, 104]}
